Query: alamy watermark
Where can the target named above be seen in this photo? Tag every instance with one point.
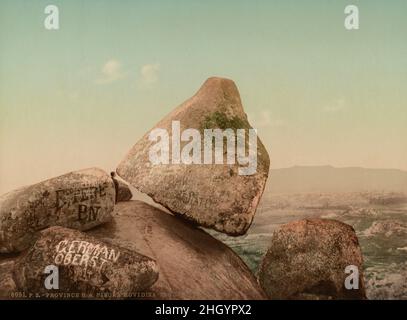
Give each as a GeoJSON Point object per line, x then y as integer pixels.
{"type": "Point", "coordinates": [52, 280]}
{"type": "Point", "coordinates": [352, 280]}
{"type": "Point", "coordinates": [352, 18]}
{"type": "Point", "coordinates": [51, 21]}
{"type": "Point", "coordinates": [212, 145]}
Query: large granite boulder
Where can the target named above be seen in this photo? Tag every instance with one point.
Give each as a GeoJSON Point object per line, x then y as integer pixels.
{"type": "Point", "coordinates": [86, 266]}
{"type": "Point", "coordinates": [193, 264]}
{"type": "Point", "coordinates": [198, 178]}
{"type": "Point", "coordinates": [308, 259]}
{"type": "Point", "coordinates": [80, 200]}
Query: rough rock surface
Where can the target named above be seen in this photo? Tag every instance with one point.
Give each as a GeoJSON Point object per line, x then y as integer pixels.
{"type": "Point", "coordinates": [123, 192]}
{"type": "Point", "coordinates": [307, 260]}
{"type": "Point", "coordinates": [80, 200]}
{"type": "Point", "coordinates": [7, 285]}
{"type": "Point", "coordinates": [86, 266]}
{"type": "Point", "coordinates": [193, 265]}
{"type": "Point", "coordinates": [211, 195]}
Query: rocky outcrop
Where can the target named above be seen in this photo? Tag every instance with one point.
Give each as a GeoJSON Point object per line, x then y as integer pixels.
{"type": "Point", "coordinates": [193, 265]}
{"type": "Point", "coordinates": [222, 194]}
{"type": "Point", "coordinates": [387, 281]}
{"type": "Point", "coordinates": [388, 228]}
{"type": "Point", "coordinates": [85, 265]}
{"type": "Point", "coordinates": [214, 177]}
{"type": "Point", "coordinates": [307, 260]}
{"type": "Point", "coordinates": [8, 288]}
{"type": "Point", "coordinates": [80, 200]}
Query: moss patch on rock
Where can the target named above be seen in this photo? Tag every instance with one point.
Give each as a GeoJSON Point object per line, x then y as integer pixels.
{"type": "Point", "coordinates": [219, 120]}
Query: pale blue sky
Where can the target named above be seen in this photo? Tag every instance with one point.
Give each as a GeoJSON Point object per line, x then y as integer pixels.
{"type": "Point", "coordinates": [82, 96]}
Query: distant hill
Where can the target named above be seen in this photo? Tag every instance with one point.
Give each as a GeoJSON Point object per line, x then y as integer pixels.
{"type": "Point", "coordinates": [305, 179]}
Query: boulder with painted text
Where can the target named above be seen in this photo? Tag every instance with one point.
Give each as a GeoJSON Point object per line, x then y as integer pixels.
{"type": "Point", "coordinates": [86, 265]}
{"type": "Point", "coordinates": [213, 181]}
{"type": "Point", "coordinates": [79, 200]}
{"type": "Point", "coordinates": [192, 264]}
{"type": "Point", "coordinates": [313, 259]}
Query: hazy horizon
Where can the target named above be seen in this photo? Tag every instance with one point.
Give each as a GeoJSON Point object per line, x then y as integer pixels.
{"type": "Point", "coordinates": [301, 182]}
{"type": "Point", "coordinates": [336, 167]}
{"type": "Point", "coordinates": [329, 179]}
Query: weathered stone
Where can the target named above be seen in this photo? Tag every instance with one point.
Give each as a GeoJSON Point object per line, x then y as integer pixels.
{"type": "Point", "coordinates": [123, 192]}
{"type": "Point", "coordinates": [307, 260]}
{"type": "Point", "coordinates": [86, 265]}
{"type": "Point", "coordinates": [193, 265]}
{"type": "Point", "coordinates": [8, 287]}
{"type": "Point", "coordinates": [80, 200]}
{"type": "Point", "coordinates": [217, 196]}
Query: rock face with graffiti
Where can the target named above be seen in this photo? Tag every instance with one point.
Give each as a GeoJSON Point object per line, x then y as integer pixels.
{"type": "Point", "coordinates": [79, 200]}
{"type": "Point", "coordinates": [214, 182]}
{"type": "Point", "coordinates": [85, 264]}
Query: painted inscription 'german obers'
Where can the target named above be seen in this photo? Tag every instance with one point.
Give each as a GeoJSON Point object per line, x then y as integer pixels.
{"type": "Point", "coordinates": [213, 195]}
{"type": "Point", "coordinates": [193, 264]}
{"type": "Point", "coordinates": [85, 264]}
{"type": "Point", "coordinates": [79, 200]}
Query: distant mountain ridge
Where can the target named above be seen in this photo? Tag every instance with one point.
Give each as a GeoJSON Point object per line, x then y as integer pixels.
{"type": "Point", "coordinates": [304, 179]}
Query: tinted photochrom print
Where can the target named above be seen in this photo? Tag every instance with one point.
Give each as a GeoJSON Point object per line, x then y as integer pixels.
{"type": "Point", "coordinates": [203, 150]}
